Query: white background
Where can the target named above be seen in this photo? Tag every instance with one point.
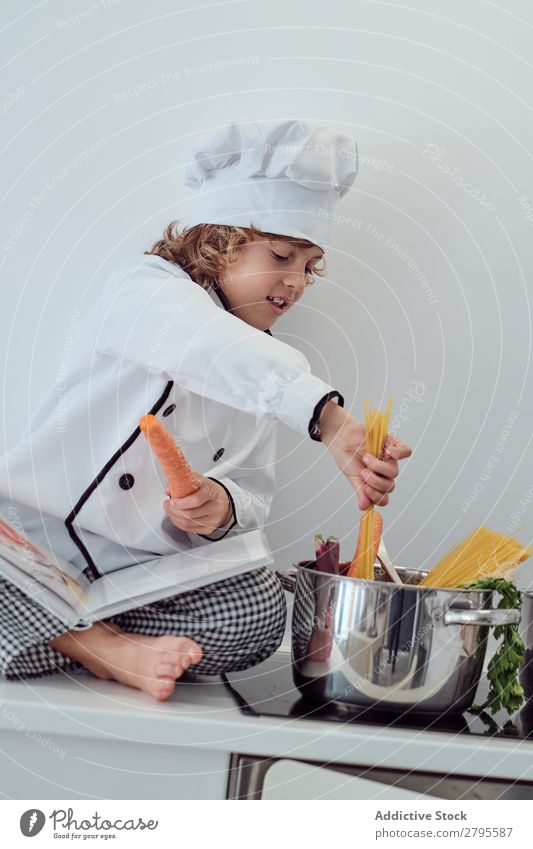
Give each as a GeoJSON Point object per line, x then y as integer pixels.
{"type": "Point", "coordinates": [114, 97]}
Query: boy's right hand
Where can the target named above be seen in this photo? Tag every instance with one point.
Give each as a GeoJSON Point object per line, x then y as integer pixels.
{"type": "Point", "coordinates": [372, 479]}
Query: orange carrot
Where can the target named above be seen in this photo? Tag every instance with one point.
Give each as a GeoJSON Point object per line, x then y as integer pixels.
{"type": "Point", "coordinates": [377, 530]}
{"type": "Point", "coordinates": [180, 477]}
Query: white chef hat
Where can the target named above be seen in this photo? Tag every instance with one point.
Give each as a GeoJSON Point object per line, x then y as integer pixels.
{"type": "Point", "coordinates": [284, 177]}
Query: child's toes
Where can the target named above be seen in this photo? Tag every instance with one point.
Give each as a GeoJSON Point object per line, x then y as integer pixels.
{"type": "Point", "coordinates": [165, 670]}
{"type": "Point", "coordinates": [192, 650]}
{"type": "Point", "coordinates": [186, 650]}
{"type": "Point", "coordinates": [178, 661]}
{"type": "Point", "coordinates": [163, 689]}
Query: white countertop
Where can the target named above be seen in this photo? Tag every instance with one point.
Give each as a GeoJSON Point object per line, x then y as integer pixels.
{"type": "Point", "coordinates": [203, 715]}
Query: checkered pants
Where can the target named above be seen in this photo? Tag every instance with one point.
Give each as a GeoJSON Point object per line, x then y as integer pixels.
{"type": "Point", "coordinates": [238, 622]}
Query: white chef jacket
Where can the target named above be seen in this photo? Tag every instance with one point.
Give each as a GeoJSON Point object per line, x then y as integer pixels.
{"type": "Point", "coordinates": [157, 342]}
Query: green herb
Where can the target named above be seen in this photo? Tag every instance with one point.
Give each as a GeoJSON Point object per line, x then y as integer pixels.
{"type": "Point", "coordinates": [505, 690]}
{"type": "Point", "coordinates": [327, 554]}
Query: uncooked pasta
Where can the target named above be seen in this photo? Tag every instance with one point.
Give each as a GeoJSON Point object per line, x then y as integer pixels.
{"type": "Point", "coordinates": [484, 553]}
{"type": "Point", "coordinates": [376, 424]}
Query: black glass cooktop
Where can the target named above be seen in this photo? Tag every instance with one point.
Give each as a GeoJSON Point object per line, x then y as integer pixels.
{"type": "Point", "coordinates": [268, 690]}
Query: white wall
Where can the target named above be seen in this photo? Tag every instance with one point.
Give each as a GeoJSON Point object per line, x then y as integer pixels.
{"type": "Point", "coordinates": [438, 96]}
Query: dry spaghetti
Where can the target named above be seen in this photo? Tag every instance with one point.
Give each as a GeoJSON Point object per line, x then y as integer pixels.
{"type": "Point", "coordinates": [484, 553]}
{"type": "Point", "coordinates": [376, 424]}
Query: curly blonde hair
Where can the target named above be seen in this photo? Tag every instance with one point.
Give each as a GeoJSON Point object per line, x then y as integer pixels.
{"type": "Point", "coordinates": [204, 250]}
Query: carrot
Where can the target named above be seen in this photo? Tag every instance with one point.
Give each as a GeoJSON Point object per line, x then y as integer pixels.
{"type": "Point", "coordinates": [368, 516]}
{"type": "Point", "coordinates": [180, 477]}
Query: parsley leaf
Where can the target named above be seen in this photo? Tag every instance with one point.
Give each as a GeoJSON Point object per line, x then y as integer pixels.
{"type": "Point", "coordinates": [505, 690]}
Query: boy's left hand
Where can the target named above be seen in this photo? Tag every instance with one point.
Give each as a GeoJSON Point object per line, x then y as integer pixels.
{"type": "Point", "coordinates": [202, 512]}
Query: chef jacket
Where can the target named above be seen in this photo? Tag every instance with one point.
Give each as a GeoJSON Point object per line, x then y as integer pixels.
{"type": "Point", "coordinates": [157, 342]}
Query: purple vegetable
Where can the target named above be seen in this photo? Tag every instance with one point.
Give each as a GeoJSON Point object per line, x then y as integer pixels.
{"type": "Point", "coordinates": [327, 553]}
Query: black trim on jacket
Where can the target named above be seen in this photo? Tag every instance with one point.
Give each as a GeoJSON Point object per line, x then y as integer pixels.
{"type": "Point", "coordinates": [91, 566]}
{"type": "Point", "coordinates": [314, 427]}
{"type": "Point", "coordinates": [99, 478]}
{"type": "Point", "coordinates": [216, 539]}
{"type": "Point", "coordinates": [226, 304]}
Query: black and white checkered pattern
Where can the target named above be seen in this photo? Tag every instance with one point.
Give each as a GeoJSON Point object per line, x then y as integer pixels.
{"type": "Point", "coordinates": [238, 623]}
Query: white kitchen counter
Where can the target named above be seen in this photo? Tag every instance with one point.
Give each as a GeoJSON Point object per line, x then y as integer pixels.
{"type": "Point", "coordinates": [80, 737]}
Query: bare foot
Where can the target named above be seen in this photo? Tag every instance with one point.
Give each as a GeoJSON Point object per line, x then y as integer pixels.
{"type": "Point", "coordinates": [151, 664]}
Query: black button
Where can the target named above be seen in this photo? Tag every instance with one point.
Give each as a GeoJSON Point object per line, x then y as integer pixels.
{"type": "Point", "coordinates": [126, 481]}
{"type": "Point", "coordinates": [218, 455]}
{"type": "Point", "coordinates": [169, 410]}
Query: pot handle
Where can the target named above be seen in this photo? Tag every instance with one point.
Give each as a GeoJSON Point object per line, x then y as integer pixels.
{"type": "Point", "coordinates": [494, 617]}
{"type": "Point", "coordinates": [287, 580]}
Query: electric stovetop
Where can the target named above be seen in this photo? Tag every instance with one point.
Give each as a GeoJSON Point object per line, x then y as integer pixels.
{"type": "Point", "coordinates": [268, 690]}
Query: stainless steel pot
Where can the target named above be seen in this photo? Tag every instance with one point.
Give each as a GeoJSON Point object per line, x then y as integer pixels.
{"type": "Point", "coordinates": [388, 646]}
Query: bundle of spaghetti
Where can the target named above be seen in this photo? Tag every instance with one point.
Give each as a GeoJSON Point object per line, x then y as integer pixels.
{"type": "Point", "coordinates": [376, 424]}
{"type": "Point", "coordinates": [484, 553]}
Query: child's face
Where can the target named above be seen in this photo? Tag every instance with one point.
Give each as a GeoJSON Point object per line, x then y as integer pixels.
{"type": "Point", "coordinates": [266, 269]}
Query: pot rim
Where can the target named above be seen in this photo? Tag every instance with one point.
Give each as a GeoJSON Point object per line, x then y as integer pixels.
{"type": "Point", "coordinates": [301, 566]}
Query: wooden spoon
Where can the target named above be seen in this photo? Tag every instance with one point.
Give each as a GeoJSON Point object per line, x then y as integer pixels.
{"type": "Point", "coordinates": [386, 563]}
